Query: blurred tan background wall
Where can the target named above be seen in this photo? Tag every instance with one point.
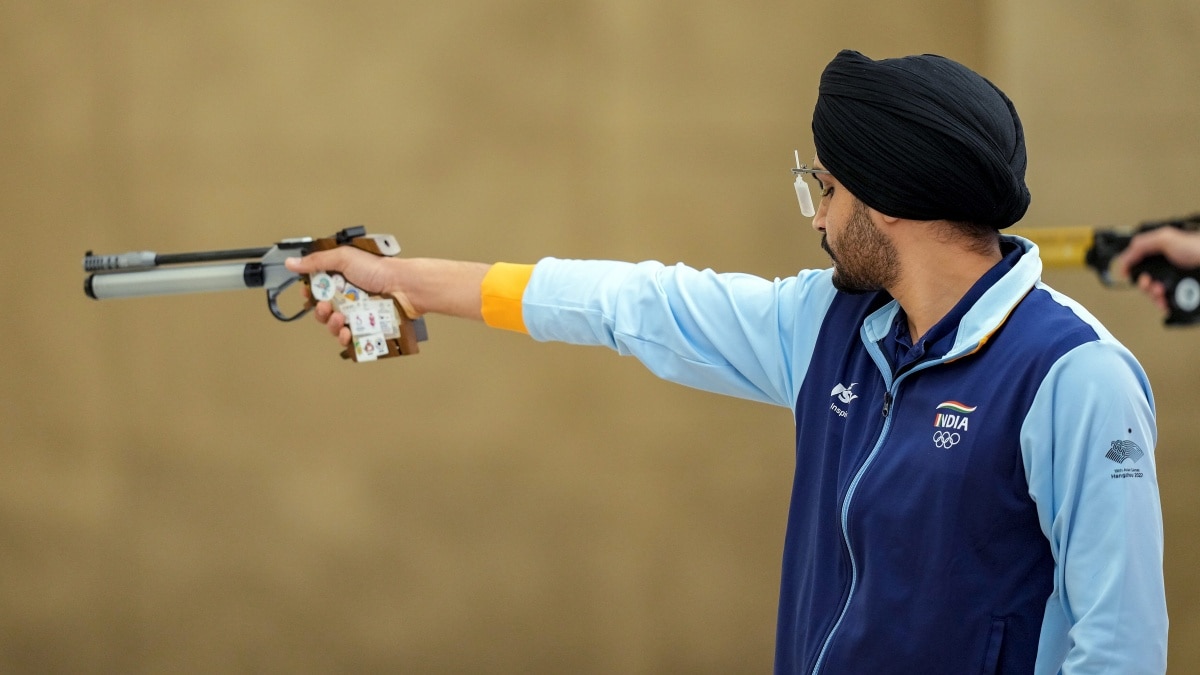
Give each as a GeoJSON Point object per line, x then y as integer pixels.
{"type": "Point", "coordinates": [187, 485]}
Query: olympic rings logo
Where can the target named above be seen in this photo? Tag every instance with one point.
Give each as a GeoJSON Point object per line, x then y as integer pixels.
{"type": "Point", "coordinates": [946, 439]}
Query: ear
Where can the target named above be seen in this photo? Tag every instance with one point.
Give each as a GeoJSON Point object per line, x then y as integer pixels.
{"type": "Point", "coordinates": [881, 218]}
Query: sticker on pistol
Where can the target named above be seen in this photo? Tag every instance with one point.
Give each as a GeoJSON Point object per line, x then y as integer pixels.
{"type": "Point", "coordinates": [322, 287]}
{"type": "Point", "coordinates": [364, 349]}
{"type": "Point", "coordinates": [386, 311]}
{"type": "Point", "coordinates": [361, 318]}
{"type": "Point", "coordinates": [370, 347]}
{"type": "Point", "coordinates": [352, 293]}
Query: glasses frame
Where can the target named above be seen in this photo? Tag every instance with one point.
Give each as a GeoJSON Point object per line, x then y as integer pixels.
{"type": "Point", "coordinates": [808, 170]}
{"type": "Point", "coordinates": [803, 192]}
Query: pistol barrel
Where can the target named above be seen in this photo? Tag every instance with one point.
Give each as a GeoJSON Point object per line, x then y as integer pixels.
{"type": "Point", "coordinates": [167, 281]}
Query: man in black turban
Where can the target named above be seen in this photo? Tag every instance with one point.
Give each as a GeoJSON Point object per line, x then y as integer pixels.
{"type": "Point", "coordinates": [957, 505]}
{"type": "Point", "coordinates": [932, 151]}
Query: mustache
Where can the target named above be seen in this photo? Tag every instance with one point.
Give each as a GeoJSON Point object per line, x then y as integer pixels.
{"type": "Point", "coordinates": [825, 247]}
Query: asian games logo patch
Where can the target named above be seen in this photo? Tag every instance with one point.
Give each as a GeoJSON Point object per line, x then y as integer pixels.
{"type": "Point", "coordinates": [1119, 451]}
{"type": "Point", "coordinates": [952, 420]}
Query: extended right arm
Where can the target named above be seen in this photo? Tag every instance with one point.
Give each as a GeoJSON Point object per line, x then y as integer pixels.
{"type": "Point", "coordinates": [734, 334]}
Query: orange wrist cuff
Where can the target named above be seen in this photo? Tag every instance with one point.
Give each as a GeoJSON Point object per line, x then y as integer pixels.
{"type": "Point", "coordinates": [502, 289]}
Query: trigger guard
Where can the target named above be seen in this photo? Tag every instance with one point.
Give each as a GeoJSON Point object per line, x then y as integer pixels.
{"type": "Point", "coordinates": [273, 305]}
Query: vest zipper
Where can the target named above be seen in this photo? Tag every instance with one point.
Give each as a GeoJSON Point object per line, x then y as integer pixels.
{"type": "Point", "coordinates": [888, 400]}
{"type": "Point", "coordinates": [845, 527]}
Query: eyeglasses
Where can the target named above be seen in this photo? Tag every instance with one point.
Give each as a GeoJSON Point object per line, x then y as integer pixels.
{"type": "Point", "coordinates": [802, 191]}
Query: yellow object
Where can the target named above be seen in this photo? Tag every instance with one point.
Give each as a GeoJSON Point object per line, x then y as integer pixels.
{"type": "Point", "coordinates": [501, 292]}
{"type": "Point", "coordinates": [1060, 246]}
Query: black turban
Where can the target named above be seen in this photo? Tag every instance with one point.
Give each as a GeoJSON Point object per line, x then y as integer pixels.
{"type": "Point", "coordinates": [922, 137]}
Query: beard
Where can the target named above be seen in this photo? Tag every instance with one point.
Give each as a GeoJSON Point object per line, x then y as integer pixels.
{"type": "Point", "coordinates": [865, 260]}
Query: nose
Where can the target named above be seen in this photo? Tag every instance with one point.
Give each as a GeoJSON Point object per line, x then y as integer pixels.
{"type": "Point", "coordinates": [818, 221]}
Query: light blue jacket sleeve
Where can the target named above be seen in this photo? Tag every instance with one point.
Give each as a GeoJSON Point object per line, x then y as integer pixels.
{"type": "Point", "coordinates": [733, 334]}
{"type": "Point", "coordinates": [1088, 447]}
